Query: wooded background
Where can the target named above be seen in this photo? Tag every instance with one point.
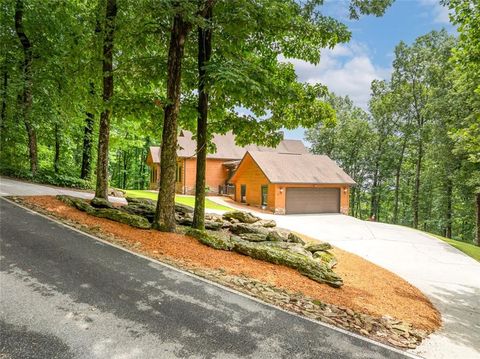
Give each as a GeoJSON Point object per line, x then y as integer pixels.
{"type": "Point", "coordinates": [415, 153]}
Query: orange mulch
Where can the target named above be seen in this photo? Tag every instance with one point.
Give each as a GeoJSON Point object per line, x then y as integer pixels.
{"type": "Point", "coordinates": [367, 287]}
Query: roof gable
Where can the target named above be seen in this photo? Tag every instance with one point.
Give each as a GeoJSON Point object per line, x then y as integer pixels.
{"type": "Point", "coordinates": [299, 168]}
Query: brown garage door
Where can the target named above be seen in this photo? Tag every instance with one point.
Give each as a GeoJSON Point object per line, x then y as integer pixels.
{"type": "Point", "coordinates": [312, 200]}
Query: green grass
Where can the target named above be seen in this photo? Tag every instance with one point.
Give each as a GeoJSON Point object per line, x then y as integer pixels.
{"type": "Point", "coordinates": [468, 248]}
{"type": "Point", "coordinates": [186, 200]}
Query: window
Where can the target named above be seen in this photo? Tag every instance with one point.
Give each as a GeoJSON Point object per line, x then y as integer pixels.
{"type": "Point", "coordinates": [264, 195]}
{"type": "Point", "coordinates": [178, 174]}
{"type": "Point", "coordinates": [243, 193]}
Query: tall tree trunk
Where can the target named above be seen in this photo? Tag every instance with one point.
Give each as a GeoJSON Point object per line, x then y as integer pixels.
{"type": "Point", "coordinates": [374, 195]}
{"type": "Point", "coordinates": [56, 159]}
{"type": "Point", "coordinates": [101, 190]}
{"type": "Point", "coordinates": [397, 181]}
{"type": "Point", "coordinates": [448, 210]}
{"type": "Point", "coordinates": [416, 191]}
{"type": "Point", "coordinates": [477, 224]}
{"type": "Point", "coordinates": [165, 213]}
{"type": "Point", "coordinates": [3, 111]}
{"type": "Point", "coordinates": [27, 86]}
{"type": "Point", "coordinates": [124, 171]}
{"type": "Point", "coordinates": [88, 141]}
{"type": "Point", "coordinates": [204, 54]}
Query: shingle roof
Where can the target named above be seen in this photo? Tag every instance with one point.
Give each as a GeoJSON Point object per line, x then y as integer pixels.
{"type": "Point", "coordinates": [226, 147]}
{"type": "Point", "coordinates": [300, 168]}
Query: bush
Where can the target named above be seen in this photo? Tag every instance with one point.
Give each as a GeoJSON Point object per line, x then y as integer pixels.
{"type": "Point", "coordinates": [48, 177]}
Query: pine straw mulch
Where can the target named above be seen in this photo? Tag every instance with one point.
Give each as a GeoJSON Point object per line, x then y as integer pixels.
{"type": "Point", "coordinates": [367, 288]}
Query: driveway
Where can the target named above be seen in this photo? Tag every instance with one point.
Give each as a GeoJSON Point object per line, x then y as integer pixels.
{"type": "Point", "coordinates": [67, 295]}
{"type": "Point", "coordinates": [448, 277]}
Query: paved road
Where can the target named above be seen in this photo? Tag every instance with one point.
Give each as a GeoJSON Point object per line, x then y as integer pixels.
{"type": "Point", "coordinates": [447, 276]}
{"type": "Point", "coordinates": [66, 295]}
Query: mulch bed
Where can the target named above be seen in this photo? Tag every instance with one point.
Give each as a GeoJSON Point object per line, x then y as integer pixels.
{"type": "Point", "coordinates": [367, 288]}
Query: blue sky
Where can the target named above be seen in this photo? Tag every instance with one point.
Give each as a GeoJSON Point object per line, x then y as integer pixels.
{"type": "Point", "coordinates": [348, 69]}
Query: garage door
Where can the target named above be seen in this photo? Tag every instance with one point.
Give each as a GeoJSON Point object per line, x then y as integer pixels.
{"type": "Point", "coordinates": [312, 200]}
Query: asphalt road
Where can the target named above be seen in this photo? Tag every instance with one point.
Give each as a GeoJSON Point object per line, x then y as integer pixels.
{"type": "Point", "coordinates": [67, 295]}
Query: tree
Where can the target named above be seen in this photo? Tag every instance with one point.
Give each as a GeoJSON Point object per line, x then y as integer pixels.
{"type": "Point", "coordinates": [165, 213]}
{"type": "Point", "coordinates": [204, 54]}
{"type": "Point", "coordinates": [26, 97]}
{"type": "Point", "coordinates": [101, 190]}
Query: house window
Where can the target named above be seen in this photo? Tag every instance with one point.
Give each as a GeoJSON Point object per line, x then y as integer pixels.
{"type": "Point", "coordinates": [264, 195]}
{"type": "Point", "coordinates": [178, 174]}
{"type": "Point", "coordinates": [243, 193]}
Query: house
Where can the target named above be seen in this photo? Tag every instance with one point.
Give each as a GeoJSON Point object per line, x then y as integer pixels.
{"type": "Point", "coordinates": [285, 179]}
{"type": "Point", "coordinates": [289, 183]}
{"type": "Point", "coordinates": [220, 165]}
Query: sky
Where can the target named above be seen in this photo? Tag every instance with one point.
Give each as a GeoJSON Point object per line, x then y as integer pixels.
{"type": "Point", "coordinates": [348, 69]}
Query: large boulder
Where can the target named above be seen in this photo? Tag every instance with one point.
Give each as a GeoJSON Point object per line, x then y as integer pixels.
{"type": "Point", "coordinates": [140, 209]}
{"type": "Point", "coordinates": [243, 217]}
{"type": "Point", "coordinates": [318, 246]}
{"type": "Point", "coordinates": [78, 203]}
{"type": "Point", "coordinates": [292, 247]}
{"type": "Point", "coordinates": [267, 223]}
{"type": "Point", "coordinates": [253, 237]}
{"type": "Point", "coordinates": [100, 203]}
{"type": "Point", "coordinates": [278, 236]}
{"type": "Point", "coordinates": [240, 228]}
{"type": "Point", "coordinates": [306, 266]}
{"type": "Point", "coordinates": [122, 217]}
{"type": "Point", "coordinates": [183, 208]}
{"type": "Point", "coordinates": [326, 258]}
{"type": "Point", "coordinates": [215, 240]}
{"type": "Point", "coordinates": [292, 237]}
{"type": "Point", "coordinates": [135, 200]}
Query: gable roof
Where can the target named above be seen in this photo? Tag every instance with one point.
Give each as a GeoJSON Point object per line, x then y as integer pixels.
{"type": "Point", "coordinates": [303, 168]}
{"type": "Point", "coordinates": [226, 148]}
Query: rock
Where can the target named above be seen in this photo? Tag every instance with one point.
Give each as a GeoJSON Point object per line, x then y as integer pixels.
{"type": "Point", "coordinates": [306, 266]}
{"type": "Point", "coordinates": [243, 217]}
{"type": "Point", "coordinates": [240, 228]}
{"type": "Point", "coordinates": [215, 240]}
{"type": "Point", "coordinates": [140, 209]}
{"type": "Point", "coordinates": [267, 223]}
{"type": "Point", "coordinates": [100, 203]}
{"type": "Point", "coordinates": [318, 246]}
{"type": "Point", "coordinates": [135, 200]}
{"type": "Point", "coordinates": [115, 192]}
{"type": "Point", "coordinates": [278, 236]}
{"type": "Point", "coordinates": [78, 203]}
{"type": "Point", "coordinates": [183, 208]}
{"type": "Point", "coordinates": [213, 217]}
{"type": "Point", "coordinates": [292, 247]}
{"type": "Point", "coordinates": [326, 258]}
{"type": "Point", "coordinates": [114, 214]}
{"type": "Point", "coordinates": [183, 220]}
{"type": "Point", "coordinates": [253, 237]}
{"type": "Point", "coordinates": [292, 237]}
{"type": "Point", "coordinates": [122, 217]}
{"type": "Point", "coordinates": [213, 225]}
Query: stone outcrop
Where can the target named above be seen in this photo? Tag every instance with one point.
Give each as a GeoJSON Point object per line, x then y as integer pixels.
{"type": "Point", "coordinates": [243, 217]}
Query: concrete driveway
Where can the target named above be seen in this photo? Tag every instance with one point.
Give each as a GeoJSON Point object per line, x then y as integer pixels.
{"type": "Point", "coordinates": [448, 277]}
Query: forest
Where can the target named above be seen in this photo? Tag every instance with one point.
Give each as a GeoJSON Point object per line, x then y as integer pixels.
{"type": "Point", "coordinates": [88, 86]}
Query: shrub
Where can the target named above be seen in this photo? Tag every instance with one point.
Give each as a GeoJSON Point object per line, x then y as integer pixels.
{"type": "Point", "coordinates": [48, 177]}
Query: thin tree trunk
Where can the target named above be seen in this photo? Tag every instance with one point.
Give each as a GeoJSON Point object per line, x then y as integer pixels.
{"type": "Point", "coordinates": [27, 86]}
{"type": "Point", "coordinates": [56, 159]}
{"type": "Point", "coordinates": [397, 181]}
{"type": "Point", "coordinates": [204, 53]}
{"type": "Point", "coordinates": [448, 211]}
{"type": "Point", "coordinates": [165, 213]}
{"type": "Point", "coordinates": [3, 112]}
{"type": "Point", "coordinates": [101, 190]}
{"type": "Point", "coordinates": [88, 141]}
{"type": "Point", "coordinates": [416, 191]}
{"type": "Point", "coordinates": [477, 224]}
{"type": "Point", "coordinates": [125, 167]}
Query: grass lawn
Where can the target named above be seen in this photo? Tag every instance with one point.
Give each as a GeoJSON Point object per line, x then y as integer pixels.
{"type": "Point", "coordinates": [187, 200]}
{"type": "Point", "coordinates": [467, 248]}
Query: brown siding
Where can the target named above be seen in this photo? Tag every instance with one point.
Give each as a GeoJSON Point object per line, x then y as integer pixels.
{"type": "Point", "coordinates": [216, 174]}
{"type": "Point", "coordinates": [250, 175]}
